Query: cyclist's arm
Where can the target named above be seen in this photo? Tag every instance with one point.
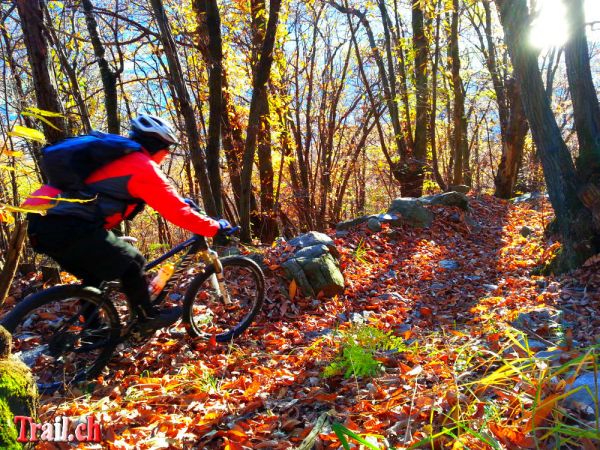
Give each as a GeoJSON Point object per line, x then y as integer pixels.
{"type": "Point", "coordinates": [151, 185]}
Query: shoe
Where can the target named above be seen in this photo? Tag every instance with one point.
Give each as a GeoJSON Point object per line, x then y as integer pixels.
{"type": "Point", "coordinates": [160, 319]}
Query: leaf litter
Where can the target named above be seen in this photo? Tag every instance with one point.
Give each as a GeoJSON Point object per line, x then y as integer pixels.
{"type": "Point", "coordinates": [457, 371]}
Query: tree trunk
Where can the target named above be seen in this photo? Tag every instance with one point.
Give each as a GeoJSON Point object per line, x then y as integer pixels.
{"type": "Point", "coordinates": [32, 23]}
{"type": "Point", "coordinates": [12, 258]}
{"type": "Point", "coordinates": [421, 48]}
{"type": "Point", "coordinates": [583, 94]}
{"type": "Point", "coordinates": [513, 142]}
{"type": "Point", "coordinates": [186, 108]}
{"type": "Point", "coordinates": [267, 221]}
{"type": "Point", "coordinates": [460, 144]}
{"type": "Point", "coordinates": [433, 114]}
{"type": "Point", "coordinates": [109, 77]}
{"type": "Point", "coordinates": [573, 219]}
{"type": "Point", "coordinates": [71, 75]}
{"type": "Point", "coordinates": [215, 88]}
{"type": "Point", "coordinates": [513, 123]}
{"type": "Point", "coordinates": [263, 72]}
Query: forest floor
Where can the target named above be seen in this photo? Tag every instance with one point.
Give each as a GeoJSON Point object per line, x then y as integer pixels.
{"type": "Point", "coordinates": [433, 344]}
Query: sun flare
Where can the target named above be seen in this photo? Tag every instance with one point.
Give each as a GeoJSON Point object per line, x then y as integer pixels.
{"type": "Point", "coordinates": [550, 29]}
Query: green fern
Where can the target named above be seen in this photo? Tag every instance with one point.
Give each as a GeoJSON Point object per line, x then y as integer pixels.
{"type": "Point", "coordinates": [359, 346]}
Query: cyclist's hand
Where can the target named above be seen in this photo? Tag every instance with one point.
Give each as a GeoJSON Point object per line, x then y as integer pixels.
{"type": "Point", "coordinates": [225, 228]}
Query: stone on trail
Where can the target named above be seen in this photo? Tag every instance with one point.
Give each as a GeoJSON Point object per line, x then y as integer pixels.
{"type": "Point", "coordinates": [314, 265]}
{"type": "Point", "coordinates": [410, 211]}
{"type": "Point", "coordinates": [585, 394]}
{"type": "Point", "coordinates": [374, 225]}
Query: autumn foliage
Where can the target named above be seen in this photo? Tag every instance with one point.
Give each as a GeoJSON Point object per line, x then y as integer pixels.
{"type": "Point", "coordinates": [449, 369]}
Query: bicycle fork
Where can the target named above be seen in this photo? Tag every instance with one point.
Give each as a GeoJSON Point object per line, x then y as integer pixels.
{"type": "Point", "coordinates": [217, 280]}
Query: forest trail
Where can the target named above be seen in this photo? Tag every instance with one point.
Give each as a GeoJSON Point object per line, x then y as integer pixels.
{"type": "Point", "coordinates": [430, 310]}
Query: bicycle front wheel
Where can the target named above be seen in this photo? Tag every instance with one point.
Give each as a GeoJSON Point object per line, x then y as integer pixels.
{"type": "Point", "coordinates": [207, 312]}
{"type": "Point", "coordinates": [65, 334]}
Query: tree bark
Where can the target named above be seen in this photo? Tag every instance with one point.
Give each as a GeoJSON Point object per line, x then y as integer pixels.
{"type": "Point", "coordinates": [186, 108]}
{"type": "Point", "coordinates": [12, 259]}
{"type": "Point", "coordinates": [460, 144]}
{"type": "Point", "coordinates": [573, 219]}
{"type": "Point", "coordinates": [108, 76]}
{"type": "Point", "coordinates": [32, 24]}
{"type": "Point", "coordinates": [267, 221]}
{"type": "Point", "coordinates": [586, 110]}
{"type": "Point", "coordinates": [263, 72]}
{"type": "Point", "coordinates": [421, 48]}
{"type": "Point", "coordinates": [513, 133]}
{"type": "Point", "coordinates": [513, 123]}
{"type": "Point", "coordinates": [433, 113]}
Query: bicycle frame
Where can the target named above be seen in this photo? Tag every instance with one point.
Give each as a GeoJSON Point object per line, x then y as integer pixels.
{"type": "Point", "coordinates": [196, 245]}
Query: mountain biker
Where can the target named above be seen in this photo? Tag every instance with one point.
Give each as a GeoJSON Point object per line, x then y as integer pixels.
{"type": "Point", "coordinates": [77, 234]}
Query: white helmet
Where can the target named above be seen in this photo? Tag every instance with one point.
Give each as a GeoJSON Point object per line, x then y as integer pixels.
{"type": "Point", "coordinates": [154, 127]}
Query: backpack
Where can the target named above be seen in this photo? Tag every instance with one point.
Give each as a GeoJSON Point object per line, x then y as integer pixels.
{"type": "Point", "coordinates": [68, 163]}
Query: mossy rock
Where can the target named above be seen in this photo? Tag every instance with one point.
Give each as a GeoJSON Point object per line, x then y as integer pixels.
{"type": "Point", "coordinates": [18, 394]}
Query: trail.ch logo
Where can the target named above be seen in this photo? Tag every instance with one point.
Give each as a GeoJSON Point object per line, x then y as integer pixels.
{"type": "Point", "coordinates": [61, 429]}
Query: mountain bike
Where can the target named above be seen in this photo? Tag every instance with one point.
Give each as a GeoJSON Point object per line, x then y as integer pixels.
{"type": "Point", "coordinates": [67, 334]}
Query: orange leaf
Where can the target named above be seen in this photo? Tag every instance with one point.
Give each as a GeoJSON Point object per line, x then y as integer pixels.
{"type": "Point", "coordinates": [425, 311]}
{"type": "Point", "coordinates": [293, 289]}
{"type": "Point", "coordinates": [511, 437]}
{"type": "Point", "coordinates": [541, 412]}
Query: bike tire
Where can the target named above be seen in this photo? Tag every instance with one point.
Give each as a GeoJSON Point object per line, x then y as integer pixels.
{"type": "Point", "coordinates": [50, 326]}
{"type": "Point", "coordinates": [204, 313]}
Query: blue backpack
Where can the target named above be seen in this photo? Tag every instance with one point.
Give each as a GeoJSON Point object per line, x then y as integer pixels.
{"type": "Point", "coordinates": [68, 163]}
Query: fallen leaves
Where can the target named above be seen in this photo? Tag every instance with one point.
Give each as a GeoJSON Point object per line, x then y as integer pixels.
{"type": "Point", "coordinates": [266, 390]}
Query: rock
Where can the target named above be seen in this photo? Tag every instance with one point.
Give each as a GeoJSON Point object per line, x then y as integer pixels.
{"type": "Point", "coordinates": [546, 319]}
{"type": "Point", "coordinates": [526, 231]}
{"type": "Point", "coordinates": [528, 197]}
{"type": "Point", "coordinates": [460, 188]}
{"type": "Point", "coordinates": [323, 274]}
{"type": "Point", "coordinates": [374, 225]}
{"type": "Point", "coordinates": [410, 211]}
{"type": "Point", "coordinates": [449, 264]}
{"type": "Point", "coordinates": [490, 287]}
{"type": "Point", "coordinates": [448, 199]}
{"type": "Point", "coordinates": [341, 233]}
{"type": "Point", "coordinates": [294, 271]}
{"type": "Point", "coordinates": [18, 393]}
{"type": "Point", "coordinates": [585, 393]}
{"type": "Point", "coordinates": [314, 238]}
{"type": "Point", "coordinates": [348, 224]}
{"type": "Point", "coordinates": [314, 251]}
{"type": "Point", "coordinates": [314, 266]}
{"type": "Point", "coordinates": [551, 355]}
{"type": "Point", "coordinates": [258, 258]}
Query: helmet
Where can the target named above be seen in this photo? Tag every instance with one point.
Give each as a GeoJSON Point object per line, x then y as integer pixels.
{"type": "Point", "coordinates": [148, 126]}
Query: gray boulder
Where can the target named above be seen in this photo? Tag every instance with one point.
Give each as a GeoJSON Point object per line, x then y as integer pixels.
{"type": "Point", "coordinates": [410, 211]}
{"type": "Point", "coordinates": [374, 225]}
{"type": "Point", "coordinates": [457, 199]}
{"type": "Point", "coordinates": [585, 395]}
{"type": "Point", "coordinates": [314, 238]}
{"type": "Point", "coordinates": [314, 266]}
{"type": "Point", "coordinates": [348, 224]}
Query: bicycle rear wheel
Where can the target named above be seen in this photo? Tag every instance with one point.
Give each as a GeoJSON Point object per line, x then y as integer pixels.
{"type": "Point", "coordinates": [65, 334]}
{"type": "Point", "coordinates": [205, 312]}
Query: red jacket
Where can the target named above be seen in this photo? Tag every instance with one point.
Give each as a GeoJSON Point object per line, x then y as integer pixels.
{"type": "Point", "coordinates": [122, 185]}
